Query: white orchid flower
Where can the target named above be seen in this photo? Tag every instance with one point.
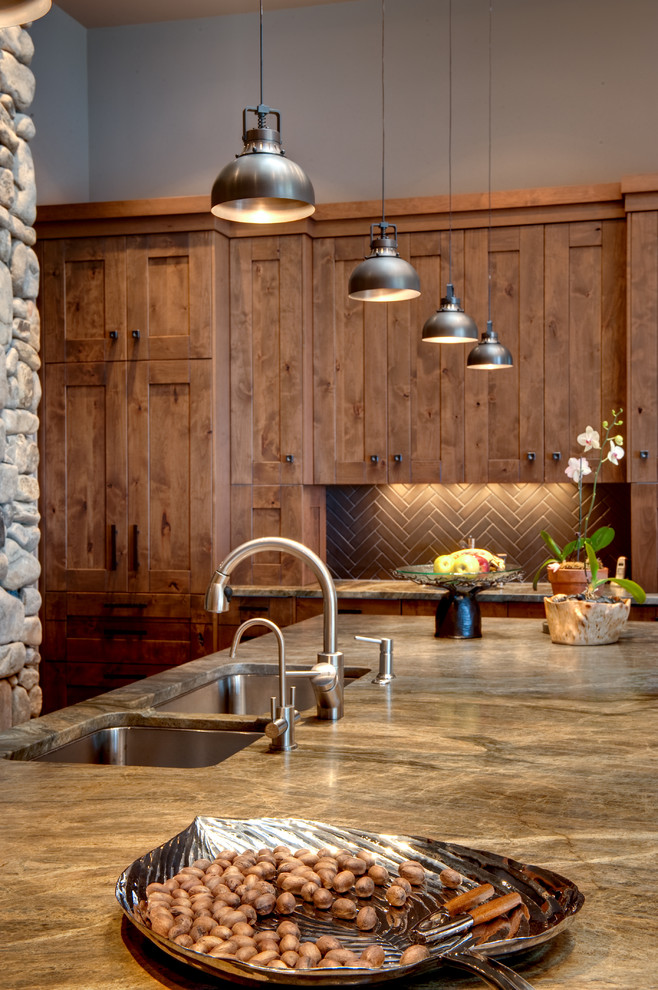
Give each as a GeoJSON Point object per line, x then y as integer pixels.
{"type": "Point", "coordinates": [590, 439]}
{"type": "Point", "coordinates": [615, 453]}
{"type": "Point", "coordinates": [577, 468]}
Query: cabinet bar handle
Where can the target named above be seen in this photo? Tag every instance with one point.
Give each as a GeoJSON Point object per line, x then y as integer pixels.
{"type": "Point", "coordinates": [135, 548]}
{"type": "Point", "coordinates": [113, 548]}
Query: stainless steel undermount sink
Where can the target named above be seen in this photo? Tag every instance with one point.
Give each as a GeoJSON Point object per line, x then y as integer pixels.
{"type": "Point", "coordinates": [246, 689]}
{"type": "Point", "coordinates": [151, 746]}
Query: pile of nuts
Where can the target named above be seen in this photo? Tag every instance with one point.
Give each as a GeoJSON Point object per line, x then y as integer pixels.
{"type": "Point", "coordinates": [215, 906]}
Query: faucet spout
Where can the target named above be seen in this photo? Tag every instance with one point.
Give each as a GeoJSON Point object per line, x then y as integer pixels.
{"type": "Point", "coordinates": [217, 600]}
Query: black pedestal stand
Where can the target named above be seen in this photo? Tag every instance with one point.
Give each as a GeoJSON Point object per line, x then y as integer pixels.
{"type": "Point", "coordinates": [458, 615]}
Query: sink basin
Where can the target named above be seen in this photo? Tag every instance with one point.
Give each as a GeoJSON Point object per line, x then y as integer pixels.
{"type": "Point", "coordinates": [246, 688]}
{"type": "Point", "coordinates": [152, 746]}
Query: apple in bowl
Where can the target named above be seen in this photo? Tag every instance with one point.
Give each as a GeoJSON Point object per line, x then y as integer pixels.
{"type": "Point", "coordinates": [444, 564]}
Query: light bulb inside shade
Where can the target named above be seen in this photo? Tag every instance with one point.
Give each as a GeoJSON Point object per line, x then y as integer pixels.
{"type": "Point", "coordinates": [263, 210]}
{"type": "Point", "coordinates": [15, 12]}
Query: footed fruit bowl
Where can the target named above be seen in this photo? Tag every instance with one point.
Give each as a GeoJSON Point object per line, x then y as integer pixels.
{"type": "Point", "coordinates": [458, 613]}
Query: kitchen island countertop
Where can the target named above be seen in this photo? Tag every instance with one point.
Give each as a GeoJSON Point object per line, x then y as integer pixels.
{"type": "Point", "coordinates": [509, 743]}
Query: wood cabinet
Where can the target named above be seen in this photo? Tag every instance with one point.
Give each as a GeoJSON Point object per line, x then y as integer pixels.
{"type": "Point", "coordinates": [271, 352]}
{"type": "Point", "coordinates": [393, 408]}
{"type": "Point", "coordinates": [131, 486]}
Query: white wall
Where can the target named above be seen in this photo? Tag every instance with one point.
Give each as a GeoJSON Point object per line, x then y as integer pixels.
{"type": "Point", "coordinates": [61, 144]}
{"type": "Point", "coordinates": [574, 86]}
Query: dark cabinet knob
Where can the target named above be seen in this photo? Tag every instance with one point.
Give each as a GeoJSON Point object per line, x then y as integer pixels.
{"type": "Point", "coordinates": [397, 458]}
{"type": "Point", "coordinates": [290, 458]}
{"type": "Point", "coordinates": [136, 334]}
{"type": "Point", "coordinates": [113, 335]}
{"type": "Point", "coordinates": [557, 456]}
{"type": "Point", "coordinates": [644, 454]}
{"type": "Point", "coordinates": [374, 458]}
{"type": "Point", "coordinates": [531, 455]}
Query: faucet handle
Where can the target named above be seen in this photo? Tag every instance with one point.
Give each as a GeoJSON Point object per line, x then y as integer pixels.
{"type": "Point", "coordinates": [385, 675]}
{"type": "Point", "coordinates": [281, 729]}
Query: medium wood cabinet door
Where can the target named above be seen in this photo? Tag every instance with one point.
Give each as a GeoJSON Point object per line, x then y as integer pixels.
{"type": "Point", "coordinates": [271, 386]}
{"type": "Point", "coordinates": [83, 299]}
{"type": "Point", "coordinates": [85, 546]}
{"type": "Point", "coordinates": [169, 296]}
{"type": "Point", "coordinates": [169, 436]}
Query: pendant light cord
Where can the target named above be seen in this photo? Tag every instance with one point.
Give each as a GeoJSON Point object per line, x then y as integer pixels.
{"type": "Point", "coordinates": [261, 123]}
{"type": "Point", "coordinates": [383, 121]}
{"type": "Point", "coordinates": [450, 142]}
{"type": "Point", "coordinates": [489, 164]}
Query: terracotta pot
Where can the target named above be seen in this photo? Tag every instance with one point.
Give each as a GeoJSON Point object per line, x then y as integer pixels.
{"type": "Point", "coordinates": [571, 580]}
{"type": "Point", "coordinates": [575, 622]}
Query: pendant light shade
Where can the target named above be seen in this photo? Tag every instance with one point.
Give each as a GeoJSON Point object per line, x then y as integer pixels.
{"type": "Point", "coordinates": [384, 276]}
{"type": "Point", "coordinates": [489, 354]}
{"type": "Point", "coordinates": [14, 12]}
{"type": "Point", "coordinates": [450, 324]}
{"type": "Point", "coordinates": [262, 185]}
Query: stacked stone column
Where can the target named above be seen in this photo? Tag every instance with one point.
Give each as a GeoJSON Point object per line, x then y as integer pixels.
{"type": "Point", "coordinates": [20, 389]}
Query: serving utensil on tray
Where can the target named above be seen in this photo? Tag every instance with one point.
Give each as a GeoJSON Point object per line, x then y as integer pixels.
{"type": "Point", "coordinates": [551, 902]}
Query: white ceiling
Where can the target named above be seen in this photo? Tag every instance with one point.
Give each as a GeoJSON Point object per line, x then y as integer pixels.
{"type": "Point", "coordinates": [109, 13]}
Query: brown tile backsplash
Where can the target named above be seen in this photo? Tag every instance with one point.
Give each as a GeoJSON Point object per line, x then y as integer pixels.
{"type": "Point", "coordinates": [371, 530]}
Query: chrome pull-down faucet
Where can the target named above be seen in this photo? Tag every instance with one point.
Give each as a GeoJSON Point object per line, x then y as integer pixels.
{"type": "Point", "coordinates": [329, 703]}
{"type": "Point", "coordinates": [324, 680]}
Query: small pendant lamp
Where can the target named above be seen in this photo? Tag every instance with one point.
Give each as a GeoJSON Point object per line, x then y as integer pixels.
{"type": "Point", "coordinates": [384, 276]}
{"type": "Point", "coordinates": [489, 354]}
{"type": "Point", "coordinates": [14, 12]}
{"type": "Point", "coordinates": [261, 185]}
{"type": "Point", "coordinates": [450, 324]}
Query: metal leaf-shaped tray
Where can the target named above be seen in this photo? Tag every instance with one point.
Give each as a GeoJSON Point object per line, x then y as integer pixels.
{"type": "Point", "coordinates": [551, 899]}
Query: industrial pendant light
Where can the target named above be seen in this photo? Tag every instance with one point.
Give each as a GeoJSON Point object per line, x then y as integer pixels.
{"type": "Point", "coordinates": [14, 12]}
{"type": "Point", "coordinates": [450, 324]}
{"type": "Point", "coordinates": [261, 185]}
{"type": "Point", "coordinates": [489, 354]}
{"type": "Point", "coordinates": [384, 276]}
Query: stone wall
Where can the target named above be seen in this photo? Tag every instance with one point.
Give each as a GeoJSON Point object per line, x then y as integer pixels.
{"type": "Point", "coordinates": [20, 390]}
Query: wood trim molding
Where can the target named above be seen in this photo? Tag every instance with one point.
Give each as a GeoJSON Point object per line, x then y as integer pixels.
{"type": "Point", "coordinates": [507, 207]}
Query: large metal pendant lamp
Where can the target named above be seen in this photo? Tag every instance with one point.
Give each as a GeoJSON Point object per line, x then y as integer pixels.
{"type": "Point", "coordinates": [261, 185]}
{"type": "Point", "coordinates": [489, 354]}
{"type": "Point", "coordinates": [450, 324]}
{"type": "Point", "coordinates": [14, 12]}
{"type": "Point", "coordinates": [384, 276]}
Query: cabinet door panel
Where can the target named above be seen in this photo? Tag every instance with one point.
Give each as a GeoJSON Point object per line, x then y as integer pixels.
{"type": "Point", "coordinates": [170, 472]}
{"type": "Point", "coordinates": [271, 389]}
{"type": "Point", "coordinates": [83, 299]}
{"type": "Point", "coordinates": [85, 518]}
{"type": "Point", "coordinates": [643, 340]}
{"type": "Point", "coordinates": [169, 296]}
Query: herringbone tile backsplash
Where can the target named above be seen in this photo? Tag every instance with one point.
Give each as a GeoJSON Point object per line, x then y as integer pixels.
{"type": "Point", "coordinates": [371, 530]}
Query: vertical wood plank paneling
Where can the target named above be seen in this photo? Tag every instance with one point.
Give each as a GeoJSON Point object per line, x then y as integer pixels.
{"type": "Point", "coordinates": [324, 363]}
{"type": "Point", "coordinates": [349, 374]}
{"type": "Point", "coordinates": [138, 467]}
{"type": "Point", "coordinates": [644, 530]}
{"type": "Point", "coordinates": [53, 342]}
{"type": "Point", "coordinates": [614, 367]}
{"type": "Point", "coordinates": [557, 383]}
{"type": "Point", "coordinates": [530, 354]}
{"type": "Point", "coordinates": [476, 383]}
{"type": "Point", "coordinates": [292, 350]}
{"type": "Point", "coordinates": [54, 467]}
{"type": "Point", "coordinates": [643, 338]}
{"type": "Point", "coordinates": [220, 400]}
{"type": "Point", "coordinates": [266, 397]}
{"type": "Point", "coordinates": [503, 419]}
{"type": "Point", "coordinates": [241, 297]}
{"type": "Point", "coordinates": [584, 328]}
{"type": "Point", "coordinates": [426, 420]}
{"type": "Point", "coordinates": [201, 476]}
{"type": "Point", "coordinates": [453, 377]}
{"type": "Point", "coordinates": [308, 390]}
{"type": "Point", "coordinates": [241, 529]}
{"type": "Point", "coordinates": [201, 295]}
{"type": "Point", "coordinates": [374, 391]}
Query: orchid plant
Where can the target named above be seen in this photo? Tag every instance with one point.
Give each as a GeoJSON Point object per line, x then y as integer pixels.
{"type": "Point", "coordinates": [577, 469]}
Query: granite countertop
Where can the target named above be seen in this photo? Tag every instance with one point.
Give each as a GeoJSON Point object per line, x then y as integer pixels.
{"type": "Point", "coordinates": [513, 591]}
{"type": "Point", "coordinates": [508, 743]}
